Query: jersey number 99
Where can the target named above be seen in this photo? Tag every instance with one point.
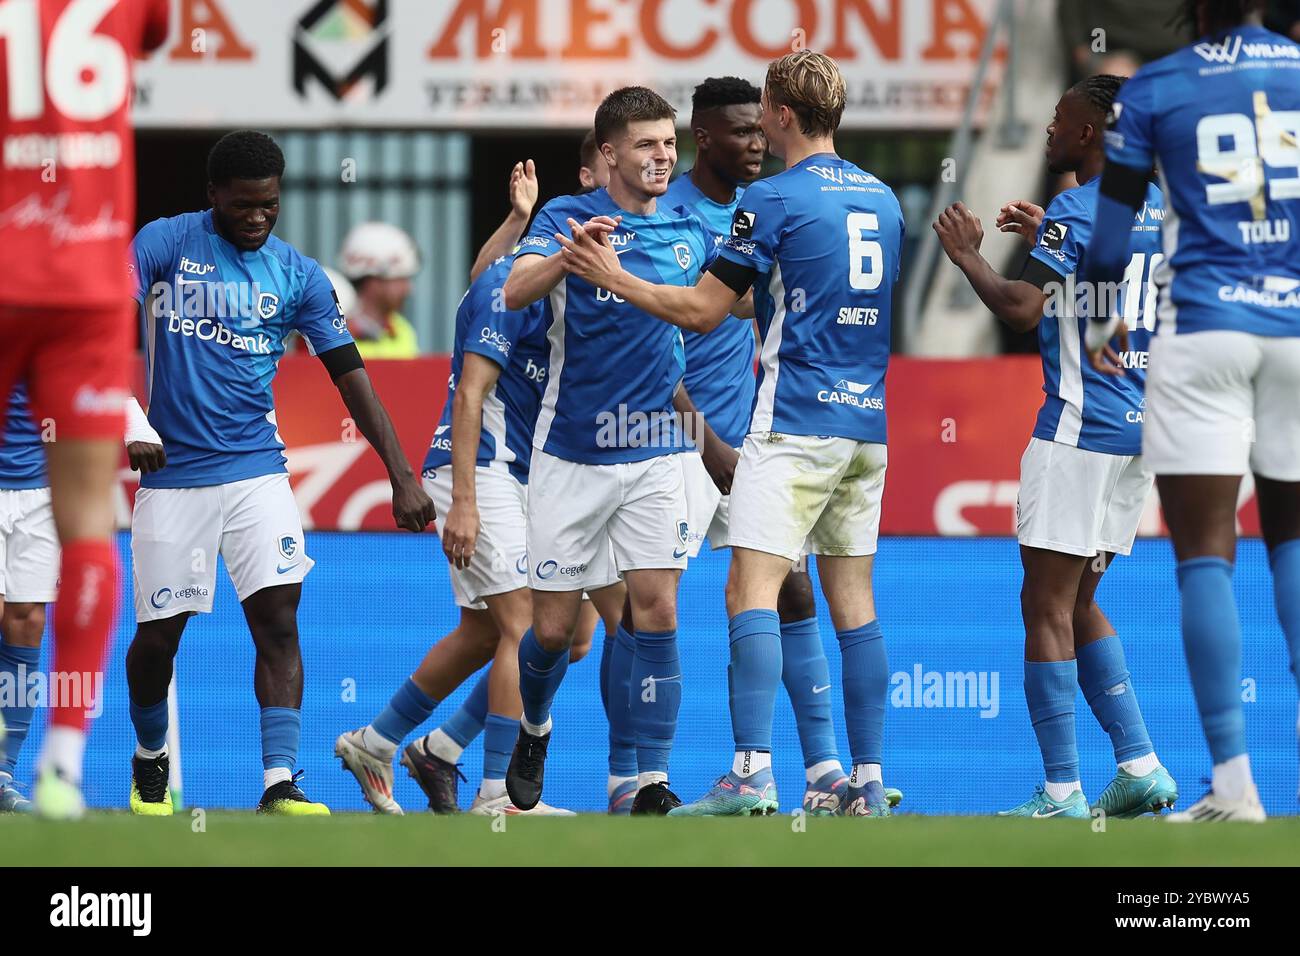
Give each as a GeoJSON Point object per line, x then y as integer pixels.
{"type": "Point", "coordinates": [1232, 147]}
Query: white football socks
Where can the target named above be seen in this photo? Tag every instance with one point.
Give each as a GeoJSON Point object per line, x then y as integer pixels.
{"type": "Point", "coordinates": [1141, 766]}
{"type": "Point", "coordinates": [144, 753]}
{"type": "Point", "coordinates": [749, 762]}
{"type": "Point", "coordinates": [1060, 792]}
{"type": "Point", "coordinates": [377, 743]}
{"type": "Point", "coordinates": [1232, 778]}
{"type": "Point", "coordinates": [275, 775]}
{"type": "Point", "coordinates": [864, 773]}
{"type": "Point", "coordinates": [442, 746]}
{"type": "Point", "coordinates": [649, 777]}
{"type": "Point", "coordinates": [534, 729]}
{"type": "Point", "coordinates": [64, 749]}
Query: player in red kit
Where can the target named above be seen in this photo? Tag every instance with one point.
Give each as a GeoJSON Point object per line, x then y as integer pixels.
{"type": "Point", "coordinates": [67, 214]}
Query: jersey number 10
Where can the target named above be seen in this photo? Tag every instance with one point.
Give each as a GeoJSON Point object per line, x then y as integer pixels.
{"type": "Point", "coordinates": [85, 74]}
{"type": "Point", "coordinates": [1136, 290]}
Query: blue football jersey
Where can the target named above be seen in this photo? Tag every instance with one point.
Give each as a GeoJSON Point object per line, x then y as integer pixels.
{"type": "Point", "coordinates": [1083, 407]}
{"type": "Point", "coordinates": [719, 364]}
{"type": "Point", "coordinates": [613, 367]}
{"type": "Point", "coordinates": [516, 341]}
{"type": "Point", "coordinates": [825, 238]}
{"type": "Point", "coordinates": [22, 456]}
{"type": "Point", "coordinates": [1221, 119]}
{"type": "Point", "coordinates": [213, 332]}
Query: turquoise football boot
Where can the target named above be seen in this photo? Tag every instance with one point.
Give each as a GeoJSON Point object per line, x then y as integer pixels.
{"type": "Point", "coordinates": [1040, 806]}
{"type": "Point", "coordinates": [734, 796]}
{"type": "Point", "coordinates": [1130, 796]}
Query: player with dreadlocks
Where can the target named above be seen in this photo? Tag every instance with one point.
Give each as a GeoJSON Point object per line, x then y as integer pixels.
{"type": "Point", "coordinates": [1082, 482]}
{"type": "Point", "coordinates": [1220, 118]}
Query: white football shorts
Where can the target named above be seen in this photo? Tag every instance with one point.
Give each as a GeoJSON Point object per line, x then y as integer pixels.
{"type": "Point", "coordinates": [583, 517]}
{"type": "Point", "coordinates": [1223, 403]}
{"type": "Point", "coordinates": [177, 533]}
{"type": "Point", "coordinates": [1076, 501]}
{"type": "Point", "coordinates": [500, 562]}
{"type": "Point", "coordinates": [804, 493]}
{"type": "Point", "coordinates": [29, 547]}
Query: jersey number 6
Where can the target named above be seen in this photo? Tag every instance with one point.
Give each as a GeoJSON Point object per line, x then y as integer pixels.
{"type": "Point", "coordinates": [866, 257]}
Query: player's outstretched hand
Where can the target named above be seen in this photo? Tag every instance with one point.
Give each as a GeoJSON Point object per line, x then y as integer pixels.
{"type": "Point", "coordinates": [1105, 356]}
{"type": "Point", "coordinates": [959, 231]}
{"type": "Point", "coordinates": [720, 462]}
{"type": "Point", "coordinates": [523, 188]}
{"type": "Point", "coordinates": [460, 533]}
{"type": "Point", "coordinates": [145, 457]}
{"type": "Point", "coordinates": [1021, 217]}
{"type": "Point", "coordinates": [412, 509]}
{"type": "Point", "coordinates": [591, 257]}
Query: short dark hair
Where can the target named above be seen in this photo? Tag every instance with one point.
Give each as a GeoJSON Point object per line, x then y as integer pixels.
{"type": "Point", "coordinates": [244, 154]}
{"type": "Point", "coordinates": [719, 91]}
{"type": "Point", "coordinates": [631, 104]}
{"type": "Point", "coordinates": [1099, 91]}
{"type": "Point", "coordinates": [588, 151]}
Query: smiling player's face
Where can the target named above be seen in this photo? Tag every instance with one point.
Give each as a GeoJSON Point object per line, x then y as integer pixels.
{"type": "Point", "coordinates": [733, 141]}
{"type": "Point", "coordinates": [245, 211]}
{"type": "Point", "coordinates": [644, 157]}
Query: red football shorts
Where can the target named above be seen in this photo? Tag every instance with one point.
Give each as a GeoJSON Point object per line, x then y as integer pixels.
{"type": "Point", "coordinates": [76, 365]}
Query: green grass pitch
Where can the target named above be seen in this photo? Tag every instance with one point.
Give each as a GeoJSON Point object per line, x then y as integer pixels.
{"type": "Point", "coordinates": [242, 839]}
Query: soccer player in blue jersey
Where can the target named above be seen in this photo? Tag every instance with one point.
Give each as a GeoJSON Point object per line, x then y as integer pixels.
{"type": "Point", "coordinates": [605, 468]}
{"type": "Point", "coordinates": [1220, 119]}
{"type": "Point", "coordinates": [476, 472]}
{"type": "Point", "coordinates": [718, 397]}
{"type": "Point", "coordinates": [29, 580]}
{"type": "Point", "coordinates": [819, 243]}
{"type": "Point", "coordinates": [1082, 483]}
{"type": "Point", "coordinates": [220, 293]}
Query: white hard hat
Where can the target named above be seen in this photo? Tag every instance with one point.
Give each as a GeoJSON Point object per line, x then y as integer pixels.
{"type": "Point", "coordinates": [379, 250]}
{"type": "Point", "coordinates": [343, 289]}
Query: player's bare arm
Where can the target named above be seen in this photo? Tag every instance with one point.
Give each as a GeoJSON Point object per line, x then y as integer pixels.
{"type": "Point", "coordinates": [1016, 303]}
{"type": "Point", "coordinates": [460, 526]}
{"type": "Point", "coordinates": [523, 197]}
{"type": "Point", "coordinates": [719, 458]}
{"type": "Point", "coordinates": [531, 277]}
{"type": "Point", "coordinates": [698, 308]}
{"type": "Point", "coordinates": [412, 508]}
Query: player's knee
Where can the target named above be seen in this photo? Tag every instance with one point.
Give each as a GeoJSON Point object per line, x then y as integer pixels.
{"type": "Point", "coordinates": [275, 629]}
{"type": "Point", "coordinates": [657, 614]}
{"type": "Point", "coordinates": [553, 636]}
{"type": "Point", "coordinates": [796, 601]}
{"type": "Point", "coordinates": [579, 648]}
{"type": "Point", "coordinates": [23, 624]}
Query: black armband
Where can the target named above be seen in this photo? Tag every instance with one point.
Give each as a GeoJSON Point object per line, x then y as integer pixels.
{"type": "Point", "coordinates": [733, 275]}
{"type": "Point", "coordinates": [1038, 273]}
{"type": "Point", "coordinates": [339, 361]}
{"type": "Point", "coordinates": [1125, 184]}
